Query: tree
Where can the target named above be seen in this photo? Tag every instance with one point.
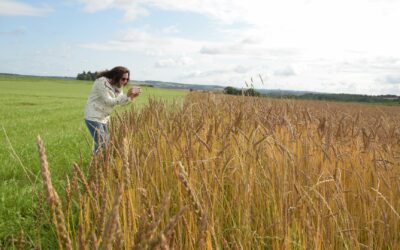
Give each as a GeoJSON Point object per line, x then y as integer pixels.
{"type": "Point", "coordinates": [251, 92]}
{"type": "Point", "coordinates": [231, 91]}
{"type": "Point", "coordinates": [89, 76]}
{"type": "Point", "coordinates": [247, 92]}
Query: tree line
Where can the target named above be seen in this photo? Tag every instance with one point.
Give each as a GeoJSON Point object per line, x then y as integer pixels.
{"type": "Point", "coordinates": [384, 99]}
{"type": "Point", "coordinates": [246, 92]}
{"type": "Point", "coordinates": [87, 76]}
{"type": "Point", "coordinates": [389, 99]}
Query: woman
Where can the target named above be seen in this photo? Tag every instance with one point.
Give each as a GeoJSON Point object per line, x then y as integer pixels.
{"type": "Point", "coordinates": [105, 94]}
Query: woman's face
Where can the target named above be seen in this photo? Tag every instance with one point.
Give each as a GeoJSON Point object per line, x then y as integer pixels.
{"type": "Point", "coordinates": [124, 80]}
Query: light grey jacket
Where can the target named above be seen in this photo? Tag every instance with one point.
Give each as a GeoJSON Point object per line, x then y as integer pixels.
{"type": "Point", "coordinates": [102, 98]}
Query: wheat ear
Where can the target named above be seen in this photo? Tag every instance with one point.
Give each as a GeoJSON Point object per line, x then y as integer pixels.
{"type": "Point", "coordinates": [53, 199]}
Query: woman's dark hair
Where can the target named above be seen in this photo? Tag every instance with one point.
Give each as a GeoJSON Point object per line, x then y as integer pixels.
{"type": "Point", "coordinates": [114, 74]}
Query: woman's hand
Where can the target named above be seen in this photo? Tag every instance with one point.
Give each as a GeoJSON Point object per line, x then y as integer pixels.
{"type": "Point", "coordinates": [133, 92]}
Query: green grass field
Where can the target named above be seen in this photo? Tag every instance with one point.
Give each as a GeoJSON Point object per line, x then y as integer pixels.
{"type": "Point", "coordinates": [53, 108]}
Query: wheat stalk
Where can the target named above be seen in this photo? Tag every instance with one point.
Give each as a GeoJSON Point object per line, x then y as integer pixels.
{"type": "Point", "coordinates": [53, 199]}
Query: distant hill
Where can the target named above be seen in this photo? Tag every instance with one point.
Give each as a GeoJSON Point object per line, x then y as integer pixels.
{"type": "Point", "coordinates": [385, 99]}
{"type": "Point", "coordinates": [282, 92]}
{"type": "Point", "coordinates": [174, 85]}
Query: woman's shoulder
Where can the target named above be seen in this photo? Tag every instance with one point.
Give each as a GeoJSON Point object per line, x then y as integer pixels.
{"type": "Point", "coordinates": [103, 79]}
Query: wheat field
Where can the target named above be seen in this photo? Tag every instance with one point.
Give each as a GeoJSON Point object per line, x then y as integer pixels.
{"type": "Point", "coordinates": [236, 172]}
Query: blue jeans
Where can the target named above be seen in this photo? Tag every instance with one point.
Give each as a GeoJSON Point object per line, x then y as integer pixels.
{"type": "Point", "coordinates": [99, 133]}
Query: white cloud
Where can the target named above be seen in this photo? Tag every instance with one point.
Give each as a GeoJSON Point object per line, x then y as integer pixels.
{"type": "Point", "coordinates": [131, 9]}
{"type": "Point", "coordinates": [379, 65]}
{"type": "Point", "coordinates": [224, 10]}
{"type": "Point", "coordinates": [318, 25]}
{"type": "Point", "coordinates": [287, 71]}
{"type": "Point", "coordinates": [170, 62]}
{"type": "Point", "coordinates": [17, 8]}
{"type": "Point", "coordinates": [223, 49]}
{"type": "Point", "coordinates": [165, 63]}
{"type": "Point", "coordinates": [241, 69]}
{"type": "Point", "coordinates": [252, 40]}
{"type": "Point", "coordinates": [248, 49]}
{"type": "Point", "coordinates": [134, 12]}
{"type": "Point", "coordinates": [96, 5]}
{"type": "Point", "coordinates": [201, 74]}
{"type": "Point", "coordinates": [222, 72]}
{"type": "Point", "coordinates": [144, 42]}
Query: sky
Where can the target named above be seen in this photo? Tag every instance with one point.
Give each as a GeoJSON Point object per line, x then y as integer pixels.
{"type": "Point", "coordinates": [336, 46]}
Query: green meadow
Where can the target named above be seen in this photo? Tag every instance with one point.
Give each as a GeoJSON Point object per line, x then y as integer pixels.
{"type": "Point", "coordinates": [52, 108]}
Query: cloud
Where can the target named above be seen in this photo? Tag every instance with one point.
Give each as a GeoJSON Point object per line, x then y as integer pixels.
{"type": "Point", "coordinates": [252, 40]}
{"type": "Point", "coordinates": [137, 36]}
{"type": "Point", "coordinates": [143, 42]}
{"type": "Point", "coordinates": [272, 25]}
{"type": "Point", "coordinates": [241, 69]}
{"type": "Point", "coordinates": [131, 9]}
{"type": "Point", "coordinates": [204, 74]}
{"type": "Point", "coordinates": [287, 71]}
{"type": "Point", "coordinates": [379, 65]}
{"type": "Point", "coordinates": [179, 62]}
{"type": "Point", "coordinates": [222, 49]}
{"type": "Point", "coordinates": [133, 13]}
{"type": "Point", "coordinates": [248, 49]}
{"type": "Point", "coordinates": [92, 6]}
{"type": "Point", "coordinates": [387, 60]}
{"type": "Point", "coordinates": [224, 72]}
{"type": "Point", "coordinates": [16, 8]}
{"type": "Point", "coordinates": [224, 10]}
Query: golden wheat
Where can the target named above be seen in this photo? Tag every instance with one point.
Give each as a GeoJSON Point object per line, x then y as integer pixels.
{"type": "Point", "coordinates": [240, 173]}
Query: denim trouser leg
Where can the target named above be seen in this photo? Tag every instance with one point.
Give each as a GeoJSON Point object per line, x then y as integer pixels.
{"type": "Point", "coordinates": [99, 133]}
